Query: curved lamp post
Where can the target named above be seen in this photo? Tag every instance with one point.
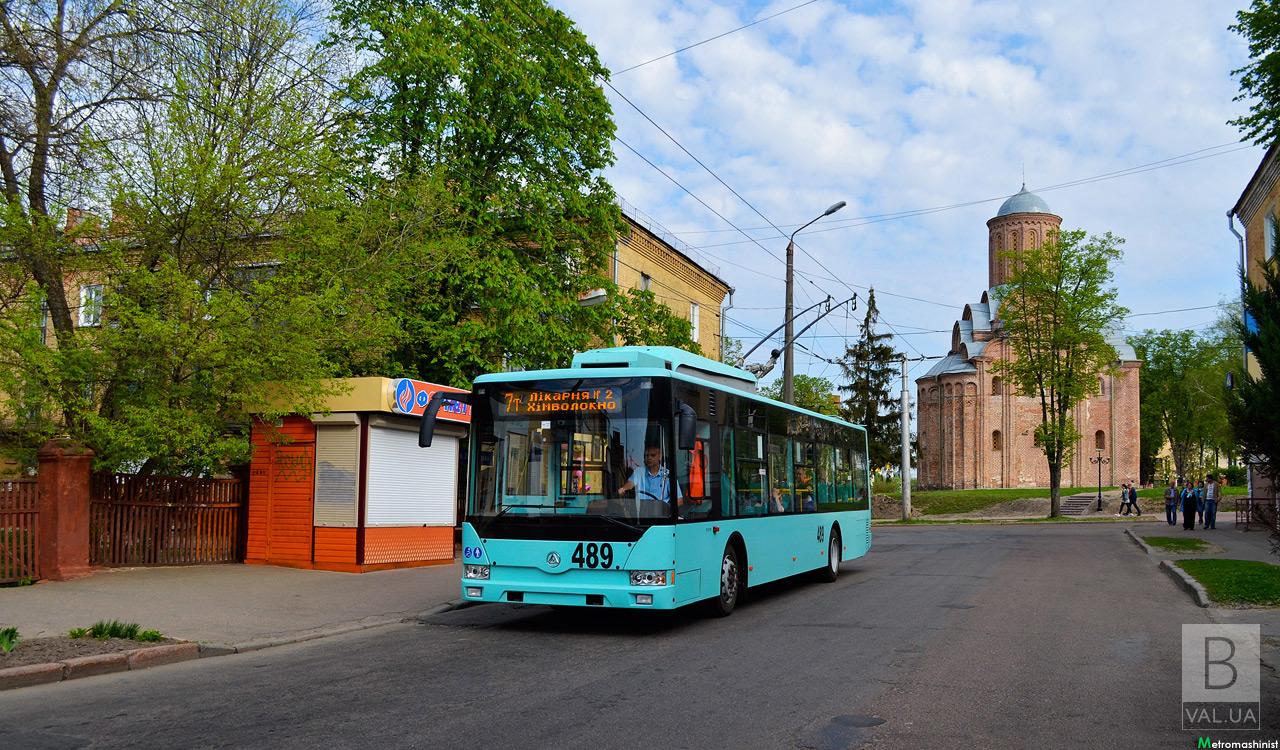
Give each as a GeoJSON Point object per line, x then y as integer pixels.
{"type": "Point", "coordinates": [1099, 460]}
{"type": "Point", "coordinates": [788, 362]}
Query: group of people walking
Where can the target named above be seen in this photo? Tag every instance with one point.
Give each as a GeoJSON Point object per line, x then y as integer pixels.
{"type": "Point", "coordinates": [1198, 502]}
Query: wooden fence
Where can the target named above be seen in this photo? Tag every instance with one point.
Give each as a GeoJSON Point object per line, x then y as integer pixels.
{"type": "Point", "coordinates": [19, 549]}
{"type": "Point", "coordinates": [143, 520]}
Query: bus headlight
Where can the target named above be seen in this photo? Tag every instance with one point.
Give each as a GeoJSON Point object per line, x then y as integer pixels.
{"type": "Point", "coordinates": [648, 578]}
{"type": "Point", "coordinates": [480, 572]}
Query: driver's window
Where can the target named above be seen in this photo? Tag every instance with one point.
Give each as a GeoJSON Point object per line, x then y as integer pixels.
{"type": "Point", "coordinates": [694, 474]}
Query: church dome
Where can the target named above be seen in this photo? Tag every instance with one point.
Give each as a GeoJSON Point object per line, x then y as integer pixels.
{"type": "Point", "coordinates": [1024, 203]}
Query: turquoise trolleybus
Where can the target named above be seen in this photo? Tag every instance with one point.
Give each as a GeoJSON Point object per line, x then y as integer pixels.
{"type": "Point", "coordinates": [651, 478]}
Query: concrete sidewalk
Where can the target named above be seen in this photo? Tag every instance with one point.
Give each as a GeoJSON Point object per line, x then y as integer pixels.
{"type": "Point", "coordinates": [1236, 545]}
{"type": "Point", "coordinates": [233, 607]}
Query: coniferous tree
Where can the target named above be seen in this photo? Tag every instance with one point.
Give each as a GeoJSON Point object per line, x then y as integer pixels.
{"type": "Point", "coordinates": [1255, 402]}
{"type": "Point", "coordinates": [870, 366]}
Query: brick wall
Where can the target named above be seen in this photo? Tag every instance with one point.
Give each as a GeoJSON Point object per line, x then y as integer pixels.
{"type": "Point", "coordinates": [959, 414]}
{"type": "Point", "coordinates": [675, 280]}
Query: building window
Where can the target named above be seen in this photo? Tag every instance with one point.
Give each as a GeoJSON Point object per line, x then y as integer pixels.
{"type": "Point", "coordinates": [1269, 235]}
{"type": "Point", "coordinates": [997, 443]}
{"type": "Point", "coordinates": [693, 319]}
{"type": "Point", "coordinates": [44, 322]}
{"type": "Point", "coordinates": [997, 388]}
{"type": "Point", "coordinates": [645, 281]}
{"type": "Point", "coordinates": [1100, 440]}
{"type": "Point", "coordinates": [91, 305]}
{"type": "Point", "coordinates": [1102, 387]}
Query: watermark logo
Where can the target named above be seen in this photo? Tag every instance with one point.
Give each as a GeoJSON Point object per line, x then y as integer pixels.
{"type": "Point", "coordinates": [1220, 689]}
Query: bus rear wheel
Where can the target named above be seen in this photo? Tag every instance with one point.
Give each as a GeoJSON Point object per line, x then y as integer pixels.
{"type": "Point", "coordinates": [829, 572]}
{"type": "Point", "coordinates": [730, 583]}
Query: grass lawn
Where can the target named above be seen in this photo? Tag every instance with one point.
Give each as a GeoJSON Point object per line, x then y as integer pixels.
{"type": "Point", "coordinates": [1237, 581]}
{"type": "Point", "coordinates": [941, 502]}
{"type": "Point", "coordinates": [1176, 543]}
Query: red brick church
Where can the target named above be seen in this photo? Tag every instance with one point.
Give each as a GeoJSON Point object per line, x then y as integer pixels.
{"type": "Point", "coordinates": [974, 431]}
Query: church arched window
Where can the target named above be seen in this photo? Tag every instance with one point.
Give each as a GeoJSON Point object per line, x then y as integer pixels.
{"type": "Point", "coordinates": [997, 386]}
{"type": "Point", "coordinates": [997, 443]}
{"type": "Point", "coordinates": [1100, 440]}
{"type": "Point", "coordinates": [1102, 387]}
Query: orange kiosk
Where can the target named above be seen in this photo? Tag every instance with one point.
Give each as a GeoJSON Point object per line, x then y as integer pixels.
{"type": "Point", "coordinates": [350, 490]}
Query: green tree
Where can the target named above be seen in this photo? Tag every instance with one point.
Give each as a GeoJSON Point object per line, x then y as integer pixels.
{"type": "Point", "coordinates": [731, 351]}
{"type": "Point", "coordinates": [213, 305]}
{"type": "Point", "coordinates": [1255, 401]}
{"type": "Point", "coordinates": [641, 320]}
{"type": "Point", "coordinates": [1260, 79]}
{"type": "Point", "coordinates": [870, 367]}
{"type": "Point", "coordinates": [497, 101]}
{"type": "Point", "coordinates": [812, 393]}
{"type": "Point", "coordinates": [1055, 312]}
{"type": "Point", "coordinates": [1182, 400]}
{"type": "Point", "coordinates": [70, 78]}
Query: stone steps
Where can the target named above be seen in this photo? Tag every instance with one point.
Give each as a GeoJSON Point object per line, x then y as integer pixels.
{"type": "Point", "coordinates": [1077, 505]}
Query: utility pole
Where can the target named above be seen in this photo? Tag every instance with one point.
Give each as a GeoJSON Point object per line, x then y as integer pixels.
{"type": "Point", "coordinates": [906, 444]}
{"type": "Point", "coordinates": [788, 354]}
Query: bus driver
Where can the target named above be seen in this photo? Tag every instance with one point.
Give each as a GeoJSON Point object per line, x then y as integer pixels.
{"type": "Point", "coordinates": [650, 481]}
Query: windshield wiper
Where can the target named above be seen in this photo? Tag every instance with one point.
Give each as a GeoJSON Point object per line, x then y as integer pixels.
{"type": "Point", "coordinates": [619, 521]}
{"type": "Point", "coordinates": [506, 507]}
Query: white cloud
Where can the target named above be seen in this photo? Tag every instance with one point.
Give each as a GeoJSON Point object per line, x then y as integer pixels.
{"type": "Point", "coordinates": [924, 103]}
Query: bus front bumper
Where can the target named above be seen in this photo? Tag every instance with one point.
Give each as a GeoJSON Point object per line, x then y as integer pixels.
{"type": "Point", "coordinates": [570, 594]}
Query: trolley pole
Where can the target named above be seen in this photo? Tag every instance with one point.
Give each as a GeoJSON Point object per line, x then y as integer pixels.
{"type": "Point", "coordinates": [906, 444]}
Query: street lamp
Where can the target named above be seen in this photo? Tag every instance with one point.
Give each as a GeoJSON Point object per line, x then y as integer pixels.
{"type": "Point", "coordinates": [788, 347]}
{"type": "Point", "coordinates": [1100, 460]}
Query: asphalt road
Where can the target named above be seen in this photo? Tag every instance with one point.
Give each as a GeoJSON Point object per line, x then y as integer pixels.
{"type": "Point", "coordinates": [997, 636]}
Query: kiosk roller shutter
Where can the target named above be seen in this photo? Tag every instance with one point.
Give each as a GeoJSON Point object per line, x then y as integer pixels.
{"type": "Point", "coordinates": [337, 475]}
{"type": "Point", "coordinates": [408, 485]}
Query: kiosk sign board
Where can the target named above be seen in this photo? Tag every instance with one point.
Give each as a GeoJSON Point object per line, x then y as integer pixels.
{"type": "Point", "coordinates": [411, 397]}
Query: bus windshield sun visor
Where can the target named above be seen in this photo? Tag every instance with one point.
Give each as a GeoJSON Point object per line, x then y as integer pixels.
{"type": "Point", "coordinates": [427, 427]}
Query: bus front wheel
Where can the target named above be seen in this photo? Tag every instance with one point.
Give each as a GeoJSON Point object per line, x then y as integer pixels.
{"type": "Point", "coordinates": [829, 572]}
{"type": "Point", "coordinates": [730, 583]}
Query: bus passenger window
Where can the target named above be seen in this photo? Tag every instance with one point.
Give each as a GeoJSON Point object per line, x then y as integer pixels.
{"type": "Point", "coordinates": [780, 496]}
{"type": "Point", "coordinates": [727, 509]}
{"type": "Point", "coordinates": [843, 478]}
{"type": "Point", "coordinates": [861, 499]}
{"type": "Point", "coordinates": [806, 491]}
{"type": "Point", "coordinates": [828, 487]}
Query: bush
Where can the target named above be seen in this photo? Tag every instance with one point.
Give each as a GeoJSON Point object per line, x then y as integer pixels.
{"type": "Point", "coordinates": [8, 639]}
{"type": "Point", "coordinates": [104, 629]}
{"type": "Point", "coordinates": [1237, 476]}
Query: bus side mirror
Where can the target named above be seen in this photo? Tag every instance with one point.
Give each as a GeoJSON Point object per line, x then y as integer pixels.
{"type": "Point", "coordinates": [688, 426]}
{"type": "Point", "coordinates": [427, 427]}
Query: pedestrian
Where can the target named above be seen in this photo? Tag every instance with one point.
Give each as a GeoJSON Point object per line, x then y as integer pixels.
{"type": "Point", "coordinates": [1200, 501]}
{"type": "Point", "coordinates": [1133, 499]}
{"type": "Point", "coordinates": [1188, 497]}
{"type": "Point", "coordinates": [1171, 503]}
{"type": "Point", "coordinates": [1210, 503]}
{"type": "Point", "coordinates": [1124, 500]}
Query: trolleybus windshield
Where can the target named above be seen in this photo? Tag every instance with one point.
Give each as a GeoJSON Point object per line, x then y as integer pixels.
{"type": "Point", "coordinates": [578, 448]}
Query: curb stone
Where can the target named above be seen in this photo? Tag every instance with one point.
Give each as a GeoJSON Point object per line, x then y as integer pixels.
{"type": "Point", "coordinates": [1183, 579]}
{"type": "Point", "coordinates": [87, 666]}
{"type": "Point", "coordinates": [1138, 541]}
{"type": "Point", "coordinates": [244, 647]}
{"type": "Point", "coordinates": [32, 674]}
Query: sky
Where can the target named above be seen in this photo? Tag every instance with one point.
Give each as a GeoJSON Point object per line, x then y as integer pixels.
{"type": "Point", "coordinates": [920, 104]}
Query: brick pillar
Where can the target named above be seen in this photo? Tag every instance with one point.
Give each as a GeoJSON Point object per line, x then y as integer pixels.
{"type": "Point", "coordinates": [63, 520]}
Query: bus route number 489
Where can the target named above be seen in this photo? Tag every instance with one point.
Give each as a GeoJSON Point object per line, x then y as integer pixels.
{"type": "Point", "coordinates": [596, 555]}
